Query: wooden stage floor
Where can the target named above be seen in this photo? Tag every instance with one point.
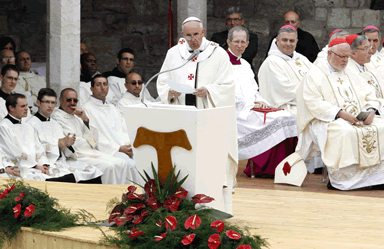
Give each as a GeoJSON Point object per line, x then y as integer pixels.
{"type": "Point", "coordinates": [288, 217]}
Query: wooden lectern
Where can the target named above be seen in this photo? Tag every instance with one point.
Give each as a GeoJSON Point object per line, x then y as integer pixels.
{"type": "Point", "coordinates": [209, 132]}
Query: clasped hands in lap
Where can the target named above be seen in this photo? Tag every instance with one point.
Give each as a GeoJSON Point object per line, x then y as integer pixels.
{"type": "Point", "coordinates": [353, 120]}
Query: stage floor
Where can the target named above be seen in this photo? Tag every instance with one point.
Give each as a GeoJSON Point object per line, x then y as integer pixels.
{"type": "Point", "coordinates": [287, 216]}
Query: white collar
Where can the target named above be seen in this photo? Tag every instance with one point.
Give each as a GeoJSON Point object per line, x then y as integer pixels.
{"type": "Point", "coordinates": [98, 101]}
{"type": "Point", "coordinates": [203, 45]}
{"type": "Point", "coordinates": [361, 68]}
{"type": "Point", "coordinates": [274, 50]}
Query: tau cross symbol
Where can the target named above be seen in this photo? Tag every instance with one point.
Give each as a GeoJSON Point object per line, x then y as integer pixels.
{"type": "Point", "coordinates": [190, 77]}
{"type": "Point", "coordinates": [194, 59]}
{"type": "Point", "coordinates": [340, 81]}
{"type": "Point", "coordinates": [182, 42]}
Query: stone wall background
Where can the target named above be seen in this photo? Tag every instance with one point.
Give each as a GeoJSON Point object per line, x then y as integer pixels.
{"type": "Point", "coordinates": [108, 26]}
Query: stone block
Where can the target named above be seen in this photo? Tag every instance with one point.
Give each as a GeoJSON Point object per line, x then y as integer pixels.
{"type": "Point", "coordinates": [305, 9]}
{"type": "Point", "coordinates": [91, 26]}
{"type": "Point", "coordinates": [26, 23]}
{"type": "Point", "coordinates": [321, 14]}
{"type": "Point", "coordinates": [259, 26]}
{"type": "Point", "coordinates": [146, 7]}
{"type": "Point", "coordinates": [35, 45]}
{"type": "Point", "coordinates": [339, 18]}
{"type": "Point", "coordinates": [119, 6]}
{"type": "Point", "coordinates": [215, 25]}
{"type": "Point", "coordinates": [314, 27]}
{"type": "Point", "coordinates": [210, 8]}
{"type": "Point", "coordinates": [247, 7]}
{"type": "Point", "coordinates": [352, 3]}
{"type": "Point", "coordinates": [4, 29]}
{"type": "Point", "coordinates": [148, 24]}
{"type": "Point", "coordinates": [329, 3]}
{"type": "Point", "coordinates": [86, 6]}
{"type": "Point", "coordinates": [365, 17]}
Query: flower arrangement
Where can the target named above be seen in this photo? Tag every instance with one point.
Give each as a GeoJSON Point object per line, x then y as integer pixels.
{"type": "Point", "coordinates": [24, 206]}
{"type": "Point", "coordinates": [162, 217]}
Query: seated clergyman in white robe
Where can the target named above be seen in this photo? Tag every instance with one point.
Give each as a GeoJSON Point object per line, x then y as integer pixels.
{"type": "Point", "coordinates": [329, 102]}
{"type": "Point", "coordinates": [73, 120]}
{"type": "Point", "coordinates": [281, 73]}
{"type": "Point", "coordinates": [374, 38]}
{"type": "Point", "coordinates": [322, 55]}
{"type": "Point", "coordinates": [22, 148]}
{"type": "Point", "coordinates": [132, 95]}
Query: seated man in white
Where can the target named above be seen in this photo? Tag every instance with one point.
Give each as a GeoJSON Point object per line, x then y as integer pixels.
{"type": "Point", "coordinates": [374, 38]}
{"type": "Point", "coordinates": [264, 141]}
{"type": "Point", "coordinates": [58, 147]}
{"type": "Point", "coordinates": [338, 33]}
{"type": "Point", "coordinates": [21, 146]}
{"type": "Point", "coordinates": [361, 51]}
{"type": "Point", "coordinates": [8, 77]}
{"type": "Point", "coordinates": [110, 124]}
{"type": "Point", "coordinates": [281, 73]}
{"type": "Point", "coordinates": [329, 102]}
{"type": "Point", "coordinates": [29, 81]}
{"type": "Point", "coordinates": [134, 85]}
{"type": "Point", "coordinates": [73, 120]}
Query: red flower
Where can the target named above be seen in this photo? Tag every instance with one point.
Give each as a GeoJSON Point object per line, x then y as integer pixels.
{"type": "Point", "coordinates": [200, 198]}
{"type": "Point", "coordinates": [232, 234]}
{"type": "Point", "coordinates": [3, 196]}
{"type": "Point", "coordinates": [137, 219]}
{"type": "Point", "coordinates": [17, 210]}
{"type": "Point", "coordinates": [170, 222]}
{"type": "Point", "coordinates": [159, 224]}
{"type": "Point", "coordinates": [123, 219]}
{"type": "Point", "coordinates": [150, 188]}
{"type": "Point", "coordinates": [188, 239]}
{"type": "Point", "coordinates": [116, 212]}
{"type": "Point", "coordinates": [134, 233]}
{"type": "Point", "coordinates": [12, 188]}
{"type": "Point", "coordinates": [29, 211]}
{"type": "Point", "coordinates": [134, 196]}
{"type": "Point", "coordinates": [131, 189]}
{"type": "Point", "coordinates": [152, 202]}
{"type": "Point", "coordinates": [20, 197]}
{"type": "Point", "coordinates": [134, 207]}
{"type": "Point", "coordinates": [158, 238]}
{"type": "Point", "coordinates": [192, 222]}
{"type": "Point", "coordinates": [244, 247]}
{"type": "Point", "coordinates": [214, 241]}
{"type": "Point", "coordinates": [172, 203]}
{"type": "Point", "coordinates": [145, 212]}
{"type": "Point", "coordinates": [286, 168]}
{"type": "Point", "coordinates": [181, 193]}
{"type": "Point", "coordinates": [218, 225]}
{"type": "Point", "coordinates": [9, 189]}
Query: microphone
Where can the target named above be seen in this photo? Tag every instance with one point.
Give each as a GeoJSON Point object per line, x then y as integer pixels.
{"type": "Point", "coordinates": [195, 53]}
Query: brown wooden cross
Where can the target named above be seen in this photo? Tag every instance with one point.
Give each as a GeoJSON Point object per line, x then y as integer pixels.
{"type": "Point", "coordinates": [163, 143]}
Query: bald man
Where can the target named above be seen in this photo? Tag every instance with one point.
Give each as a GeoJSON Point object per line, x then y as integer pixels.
{"type": "Point", "coordinates": [134, 85]}
{"type": "Point", "coordinates": [306, 44]}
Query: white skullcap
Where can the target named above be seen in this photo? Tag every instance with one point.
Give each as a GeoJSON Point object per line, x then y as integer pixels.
{"type": "Point", "coordinates": [192, 18]}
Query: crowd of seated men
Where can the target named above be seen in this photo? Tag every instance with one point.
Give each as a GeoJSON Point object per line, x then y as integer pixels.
{"type": "Point", "coordinates": [327, 108]}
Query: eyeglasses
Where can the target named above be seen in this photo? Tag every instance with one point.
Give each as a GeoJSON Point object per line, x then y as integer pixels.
{"type": "Point", "coordinates": [69, 100]}
{"type": "Point", "coordinates": [128, 59]}
{"type": "Point", "coordinates": [342, 57]}
{"type": "Point", "coordinates": [134, 82]}
{"type": "Point", "coordinates": [8, 59]}
{"type": "Point", "coordinates": [233, 19]}
{"type": "Point", "coordinates": [190, 37]}
{"type": "Point", "coordinates": [365, 49]}
{"type": "Point", "coordinates": [50, 102]}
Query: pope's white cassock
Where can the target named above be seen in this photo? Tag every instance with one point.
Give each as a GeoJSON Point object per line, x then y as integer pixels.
{"type": "Point", "coordinates": [128, 99]}
{"type": "Point", "coordinates": [352, 154]}
{"type": "Point", "coordinates": [29, 83]}
{"type": "Point", "coordinates": [115, 170]}
{"type": "Point", "coordinates": [255, 136]}
{"type": "Point", "coordinates": [21, 147]}
{"type": "Point", "coordinates": [280, 76]}
{"type": "Point", "coordinates": [322, 55]}
{"type": "Point", "coordinates": [112, 130]}
{"type": "Point", "coordinates": [49, 132]}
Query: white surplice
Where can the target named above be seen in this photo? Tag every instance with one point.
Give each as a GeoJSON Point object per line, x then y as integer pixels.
{"type": "Point", "coordinates": [377, 62]}
{"type": "Point", "coordinates": [280, 76]}
{"type": "Point", "coordinates": [352, 154]}
{"type": "Point", "coordinates": [254, 136]}
{"type": "Point", "coordinates": [128, 99]}
{"type": "Point", "coordinates": [322, 55]}
{"type": "Point", "coordinates": [115, 170]}
{"type": "Point", "coordinates": [49, 133]}
{"type": "Point", "coordinates": [21, 147]}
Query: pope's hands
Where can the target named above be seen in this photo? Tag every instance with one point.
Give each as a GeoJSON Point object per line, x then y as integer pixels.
{"type": "Point", "coordinates": [201, 92]}
{"type": "Point", "coordinates": [369, 119]}
{"type": "Point", "coordinates": [11, 171]}
{"type": "Point", "coordinates": [173, 93]}
{"type": "Point", "coordinates": [44, 169]}
{"type": "Point", "coordinates": [127, 149]}
{"type": "Point", "coordinates": [348, 117]}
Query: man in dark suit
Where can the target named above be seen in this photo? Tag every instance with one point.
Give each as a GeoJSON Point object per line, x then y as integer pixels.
{"type": "Point", "coordinates": [306, 44]}
{"type": "Point", "coordinates": [236, 18]}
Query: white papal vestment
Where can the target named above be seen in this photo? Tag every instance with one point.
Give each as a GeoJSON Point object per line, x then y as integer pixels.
{"type": "Point", "coordinates": [280, 76]}
{"type": "Point", "coordinates": [352, 154]}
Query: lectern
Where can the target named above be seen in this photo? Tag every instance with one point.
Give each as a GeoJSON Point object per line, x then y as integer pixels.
{"type": "Point", "coordinates": [209, 132]}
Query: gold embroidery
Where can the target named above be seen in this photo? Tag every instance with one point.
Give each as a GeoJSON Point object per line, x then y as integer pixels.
{"type": "Point", "coordinates": [350, 104]}
{"type": "Point", "coordinates": [38, 157]}
{"type": "Point", "coordinates": [373, 83]}
{"type": "Point", "coordinates": [348, 173]}
{"type": "Point", "coordinates": [24, 156]}
{"type": "Point", "coordinates": [340, 81]}
{"type": "Point", "coordinates": [369, 142]}
{"type": "Point", "coordinates": [298, 63]}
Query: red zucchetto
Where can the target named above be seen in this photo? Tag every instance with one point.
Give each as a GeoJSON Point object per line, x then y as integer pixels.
{"type": "Point", "coordinates": [337, 41]}
{"type": "Point", "coordinates": [351, 38]}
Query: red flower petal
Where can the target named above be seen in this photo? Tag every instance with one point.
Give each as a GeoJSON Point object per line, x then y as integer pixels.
{"type": "Point", "coordinates": [145, 212]}
{"type": "Point", "coordinates": [152, 202]}
{"type": "Point", "coordinates": [150, 188]}
{"type": "Point", "coordinates": [134, 196]}
{"type": "Point", "coordinates": [218, 225]}
{"type": "Point", "coordinates": [286, 168]}
{"type": "Point", "coordinates": [29, 211]}
{"type": "Point", "coordinates": [188, 239]}
{"type": "Point", "coordinates": [137, 219]}
{"type": "Point", "coordinates": [12, 188]}
{"type": "Point", "coordinates": [136, 234]}
{"type": "Point", "coordinates": [200, 198]}
{"type": "Point", "coordinates": [170, 222]}
{"type": "Point", "coordinates": [244, 247]}
{"type": "Point", "coordinates": [17, 210]}
{"type": "Point", "coordinates": [134, 207]}
{"type": "Point", "coordinates": [158, 238]}
{"type": "Point", "coordinates": [120, 221]}
{"type": "Point", "coordinates": [20, 197]}
{"type": "Point", "coordinates": [192, 222]}
{"type": "Point", "coordinates": [214, 241]}
{"type": "Point", "coordinates": [132, 189]}
{"type": "Point", "coordinates": [181, 193]}
{"type": "Point", "coordinates": [159, 224]}
{"type": "Point", "coordinates": [116, 212]}
{"type": "Point", "coordinates": [172, 203]}
{"type": "Point", "coordinates": [232, 234]}
{"type": "Point", "coordinates": [3, 196]}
